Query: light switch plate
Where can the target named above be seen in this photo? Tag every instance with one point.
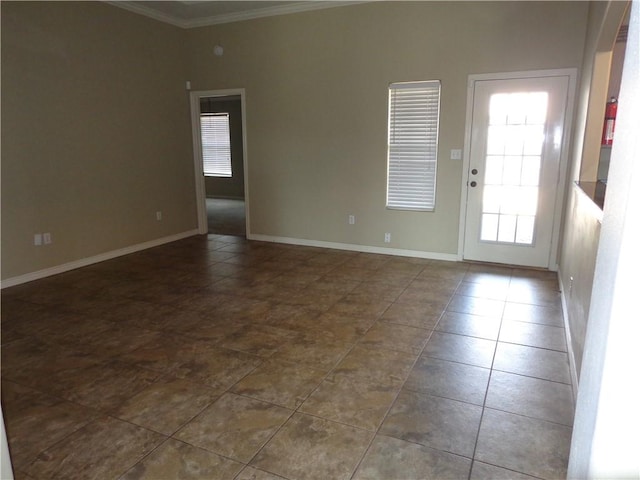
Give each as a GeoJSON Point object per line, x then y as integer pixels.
{"type": "Point", "coordinates": [456, 154]}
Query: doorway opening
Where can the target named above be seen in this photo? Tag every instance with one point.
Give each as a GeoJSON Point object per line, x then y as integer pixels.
{"type": "Point", "coordinates": [220, 161]}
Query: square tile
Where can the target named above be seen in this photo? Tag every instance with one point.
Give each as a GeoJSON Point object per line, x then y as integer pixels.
{"type": "Point", "coordinates": [528, 445]}
{"type": "Point", "coordinates": [396, 337]}
{"type": "Point", "coordinates": [167, 404]}
{"type": "Point", "coordinates": [354, 402]}
{"type": "Point", "coordinates": [453, 380]}
{"type": "Point", "coordinates": [103, 387]}
{"type": "Point", "coordinates": [434, 422]}
{"type": "Point", "coordinates": [534, 314]}
{"type": "Point", "coordinates": [105, 448]}
{"type": "Point", "coordinates": [532, 397]}
{"type": "Point", "coordinates": [382, 367]}
{"type": "Point", "coordinates": [491, 290]}
{"type": "Point", "coordinates": [235, 427]}
{"type": "Point", "coordinates": [460, 348]}
{"type": "Point", "coordinates": [175, 459]}
{"type": "Point", "coordinates": [35, 420]}
{"type": "Point", "coordinates": [282, 383]}
{"type": "Point", "coordinates": [532, 362]}
{"type": "Point", "coordinates": [483, 307]}
{"type": "Point", "coordinates": [319, 355]}
{"type": "Point", "coordinates": [251, 473]}
{"type": "Point", "coordinates": [309, 447]}
{"type": "Point", "coordinates": [533, 335]}
{"type": "Point", "coordinates": [484, 471]}
{"type": "Point", "coordinates": [470, 325]}
{"type": "Point", "coordinates": [421, 315]}
{"type": "Point", "coordinates": [393, 458]}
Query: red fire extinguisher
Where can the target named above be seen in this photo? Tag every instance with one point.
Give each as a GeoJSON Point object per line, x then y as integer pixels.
{"type": "Point", "coordinates": [609, 121]}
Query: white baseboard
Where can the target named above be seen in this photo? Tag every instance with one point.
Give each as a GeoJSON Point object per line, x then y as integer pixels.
{"type": "Point", "coordinates": [47, 272]}
{"type": "Point", "coordinates": [450, 257]}
{"type": "Point", "coordinates": [572, 358]}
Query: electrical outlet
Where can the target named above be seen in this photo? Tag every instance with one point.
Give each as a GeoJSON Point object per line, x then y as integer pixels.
{"type": "Point", "coordinates": [46, 238]}
{"type": "Point", "coordinates": [37, 239]}
{"type": "Point", "coordinates": [158, 215]}
{"type": "Point", "coordinates": [352, 219]}
{"type": "Point", "coordinates": [387, 237]}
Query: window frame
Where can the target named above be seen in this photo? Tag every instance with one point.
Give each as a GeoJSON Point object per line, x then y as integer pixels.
{"type": "Point", "coordinates": [403, 154]}
{"type": "Point", "coordinates": [216, 167]}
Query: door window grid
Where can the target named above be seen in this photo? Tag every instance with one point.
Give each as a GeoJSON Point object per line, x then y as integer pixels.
{"type": "Point", "coordinates": [512, 167]}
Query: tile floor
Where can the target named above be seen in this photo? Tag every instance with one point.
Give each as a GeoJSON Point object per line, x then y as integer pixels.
{"type": "Point", "coordinates": [214, 357]}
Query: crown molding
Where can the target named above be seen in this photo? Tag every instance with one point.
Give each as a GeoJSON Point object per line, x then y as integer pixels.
{"type": "Point", "coordinates": [294, 7]}
{"type": "Point", "coordinates": [148, 12]}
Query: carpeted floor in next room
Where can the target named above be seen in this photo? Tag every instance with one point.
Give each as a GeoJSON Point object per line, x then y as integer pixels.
{"type": "Point", "coordinates": [225, 216]}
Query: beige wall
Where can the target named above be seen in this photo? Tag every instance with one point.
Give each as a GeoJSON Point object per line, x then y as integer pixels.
{"type": "Point", "coordinates": [316, 88]}
{"type": "Point", "coordinates": [95, 132]}
{"type": "Point", "coordinates": [111, 144]}
{"type": "Point", "coordinates": [582, 218]}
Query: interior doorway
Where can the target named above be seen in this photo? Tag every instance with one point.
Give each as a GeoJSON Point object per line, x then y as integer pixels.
{"type": "Point", "coordinates": [220, 161]}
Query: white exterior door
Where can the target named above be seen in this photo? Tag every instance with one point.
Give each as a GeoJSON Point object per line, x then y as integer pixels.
{"type": "Point", "coordinates": [514, 165]}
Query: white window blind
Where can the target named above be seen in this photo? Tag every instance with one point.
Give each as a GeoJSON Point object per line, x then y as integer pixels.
{"type": "Point", "coordinates": [414, 109]}
{"type": "Point", "coordinates": [216, 144]}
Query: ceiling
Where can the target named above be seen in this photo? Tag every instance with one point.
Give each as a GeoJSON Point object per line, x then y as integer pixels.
{"type": "Point", "coordinates": [189, 14]}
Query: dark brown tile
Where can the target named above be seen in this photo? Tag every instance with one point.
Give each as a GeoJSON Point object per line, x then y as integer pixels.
{"type": "Point", "coordinates": [105, 448]}
{"type": "Point", "coordinates": [534, 314]}
{"type": "Point", "coordinates": [378, 366]}
{"type": "Point", "coordinates": [282, 383]}
{"type": "Point", "coordinates": [532, 397]}
{"type": "Point", "coordinates": [35, 421]}
{"type": "Point", "coordinates": [483, 307]}
{"type": "Point", "coordinates": [318, 355]}
{"type": "Point", "coordinates": [470, 325]}
{"type": "Point", "coordinates": [533, 335]}
{"type": "Point", "coordinates": [484, 471]}
{"type": "Point", "coordinates": [309, 447]}
{"type": "Point", "coordinates": [166, 405]}
{"type": "Point", "coordinates": [103, 386]}
{"type": "Point", "coordinates": [396, 337]}
{"type": "Point", "coordinates": [195, 360]}
{"type": "Point", "coordinates": [453, 380]}
{"type": "Point", "coordinates": [421, 315]}
{"type": "Point", "coordinates": [393, 458]}
{"type": "Point", "coordinates": [175, 459]}
{"type": "Point", "coordinates": [235, 427]}
{"type": "Point", "coordinates": [435, 422]}
{"type": "Point", "coordinates": [460, 348]}
{"type": "Point", "coordinates": [354, 402]}
{"type": "Point", "coordinates": [528, 445]}
{"type": "Point", "coordinates": [532, 362]}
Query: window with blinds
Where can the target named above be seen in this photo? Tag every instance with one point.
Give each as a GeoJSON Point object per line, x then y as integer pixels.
{"type": "Point", "coordinates": [216, 144]}
{"type": "Point", "coordinates": [414, 109]}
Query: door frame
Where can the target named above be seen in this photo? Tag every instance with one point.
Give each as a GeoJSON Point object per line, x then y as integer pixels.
{"type": "Point", "coordinates": [572, 74]}
{"type": "Point", "coordinates": [201, 197]}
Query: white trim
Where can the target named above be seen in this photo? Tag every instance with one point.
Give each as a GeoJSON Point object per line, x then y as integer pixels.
{"type": "Point", "coordinates": [570, 353]}
{"type": "Point", "coordinates": [47, 272]}
{"type": "Point", "coordinates": [296, 7]}
{"type": "Point", "coordinates": [449, 257]}
{"type": "Point", "coordinates": [201, 207]}
{"type": "Point", "coordinates": [571, 73]}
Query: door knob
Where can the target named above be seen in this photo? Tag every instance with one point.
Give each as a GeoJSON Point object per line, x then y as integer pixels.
{"type": "Point", "coordinates": [473, 184]}
{"type": "Point", "coordinates": [474, 171]}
